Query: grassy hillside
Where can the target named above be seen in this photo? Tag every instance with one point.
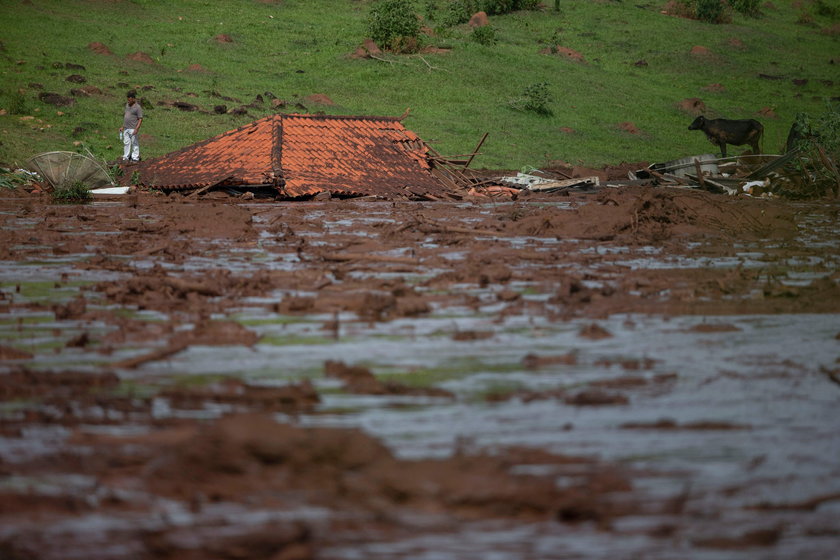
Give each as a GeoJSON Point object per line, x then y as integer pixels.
{"type": "Point", "coordinates": [297, 48]}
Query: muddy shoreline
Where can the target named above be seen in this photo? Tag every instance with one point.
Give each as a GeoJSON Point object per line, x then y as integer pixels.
{"type": "Point", "coordinates": [634, 372]}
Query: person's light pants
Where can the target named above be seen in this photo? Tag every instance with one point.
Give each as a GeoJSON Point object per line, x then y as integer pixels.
{"type": "Point", "coordinates": [131, 147]}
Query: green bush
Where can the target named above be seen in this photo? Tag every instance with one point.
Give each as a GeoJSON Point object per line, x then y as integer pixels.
{"type": "Point", "coordinates": [535, 98]}
{"type": "Point", "coordinates": [814, 172]}
{"type": "Point", "coordinates": [746, 7]}
{"type": "Point", "coordinates": [711, 11]}
{"type": "Point", "coordinates": [485, 35]}
{"type": "Point", "coordinates": [394, 25]}
{"type": "Point", "coordinates": [74, 193]}
{"type": "Point", "coordinates": [456, 12]}
{"type": "Point", "coordinates": [826, 10]}
{"type": "Point", "coordinates": [495, 7]}
{"type": "Point", "coordinates": [431, 9]}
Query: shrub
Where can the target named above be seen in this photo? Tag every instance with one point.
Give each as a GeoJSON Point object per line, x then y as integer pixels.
{"type": "Point", "coordinates": [711, 11]}
{"type": "Point", "coordinates": [394, 25]}
{"type": "Point", "coordinates": [431, 9]}
{"type": "Point", "coordinates": [826, 10]}
{"type": "Point", "coordinates": [484, 35]}
{"type": "Point", "coordinates": [814, 172]}
{"type": "Point", "coordinates": [73, 193]}
{"type": "Point", "coordinates": [535, 98]}
{"type": "Point", "coordinates": [456, 12]}
{"type": "Point", "coordinates": [493, 7]}
{"type": "Point", "coordinates": [746, 7]}
{"type": "Point", "coordinates": [507, 6]}
{"type": "Point", "coordinates": [822, 131]}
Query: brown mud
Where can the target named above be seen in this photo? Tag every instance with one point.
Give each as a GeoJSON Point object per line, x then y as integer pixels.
{"type": "Point", "coordinates": [631, 373]}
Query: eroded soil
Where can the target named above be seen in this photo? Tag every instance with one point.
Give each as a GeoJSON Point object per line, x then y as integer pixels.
{"type": "Point", "coordinates": [631, 373]}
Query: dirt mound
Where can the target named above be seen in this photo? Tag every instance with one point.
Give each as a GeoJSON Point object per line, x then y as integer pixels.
{"type": "Point", "coordinates": [693, 106]}
{"type": "Point", "coordinates": [291, 399]}
{"type": "Point", "coordinates": [87, 91]}
{"type": "Point", "coordinates": [56, 99]}
{"type": "Point", "coordinates": [645, 215]}
{"type": "Point", "coordinates": [140, 57]}
{"type": "Point", "coordinates": [99, 48]}
{"type": "Point", "coordinates": [767, 113]}
{"type": "Point", "coordinates": [479, 19]}
{"type": "Point", "coordinates": [629, 127]}
{"type": "Point", "coordinates": [156, 289]}
{"type": "Point", "coordinates": [367, 49]}
{"type": "Point", "coordinates": [318, 99]}
{"type": "Point", "coordinates": [26, 384]}
{"type": "Point", "coordinates": [248, 458]}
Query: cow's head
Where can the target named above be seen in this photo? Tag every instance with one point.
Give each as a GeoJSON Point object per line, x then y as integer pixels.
{"type": "Point", "coordinates": [698, 123]}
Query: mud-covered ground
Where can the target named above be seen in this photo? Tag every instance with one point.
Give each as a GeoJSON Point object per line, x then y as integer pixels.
{"type": "Point", "coordinates": [632, 373]}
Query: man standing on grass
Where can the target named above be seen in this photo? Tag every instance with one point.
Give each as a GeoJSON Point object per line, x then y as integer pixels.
{"type": "Point", "coordinates": [132, 119]}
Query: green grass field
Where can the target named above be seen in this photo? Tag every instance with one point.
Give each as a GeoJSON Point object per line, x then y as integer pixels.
{"type": "Point", "coordinates": [297, 48]}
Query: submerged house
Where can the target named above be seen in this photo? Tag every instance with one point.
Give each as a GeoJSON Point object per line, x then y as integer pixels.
{"type": "Point", "coordinates": [304, 155]}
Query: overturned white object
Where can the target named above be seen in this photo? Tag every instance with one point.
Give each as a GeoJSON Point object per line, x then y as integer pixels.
{"type": "Point", "coordinates": [110, 190]}
{"type": "Point", "coordinates": [576, 182]}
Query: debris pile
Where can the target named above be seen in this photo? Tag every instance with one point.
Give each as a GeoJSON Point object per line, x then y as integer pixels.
{"type": "Point", "coordinates": [796, 174]}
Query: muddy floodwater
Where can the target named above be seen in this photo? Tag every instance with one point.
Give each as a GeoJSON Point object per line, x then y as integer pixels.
{"type": "Point", "coordinates": [626, 374]}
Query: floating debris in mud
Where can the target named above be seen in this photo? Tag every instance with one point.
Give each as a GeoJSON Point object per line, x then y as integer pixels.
{"type": "Point", "coordinates": [796, 174]}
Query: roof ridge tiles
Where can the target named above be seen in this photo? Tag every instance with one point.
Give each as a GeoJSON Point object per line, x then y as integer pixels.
{"type": "Point", "coordinates": [341, 117]}
{"type": "Point", "coordinates": [219, 136]}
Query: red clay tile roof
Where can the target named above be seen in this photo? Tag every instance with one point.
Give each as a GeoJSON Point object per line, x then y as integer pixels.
{"type": "Point", "coordinates": [304, 155]}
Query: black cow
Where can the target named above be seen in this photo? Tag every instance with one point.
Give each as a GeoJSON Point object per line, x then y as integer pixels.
{"type": "Point", "coordinates": [724, 131]}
